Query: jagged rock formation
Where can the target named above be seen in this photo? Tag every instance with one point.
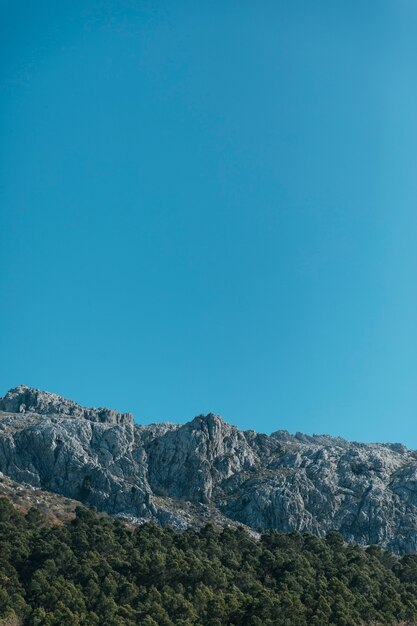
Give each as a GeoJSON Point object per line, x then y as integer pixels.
{"type": "Point", "coordinates": [24, 399]}
{"type": "Point", "coordinates": [209, 470]}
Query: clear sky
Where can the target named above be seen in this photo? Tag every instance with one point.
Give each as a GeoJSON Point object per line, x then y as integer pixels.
{"type": "Point", "coordinates": [212, 206]}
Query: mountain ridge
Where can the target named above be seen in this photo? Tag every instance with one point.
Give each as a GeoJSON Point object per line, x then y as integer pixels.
{"type": "Point", "coordinates": [49, 398]}
{"type": "Point", "coordinates": [208, 470]}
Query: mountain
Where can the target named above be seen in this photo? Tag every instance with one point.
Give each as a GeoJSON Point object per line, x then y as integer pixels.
{"type": "Point", "coordinates": [208, 470]}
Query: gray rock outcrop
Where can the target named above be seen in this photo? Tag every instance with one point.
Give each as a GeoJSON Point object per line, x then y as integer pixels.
{"type": "Point", "coordinates": [24, 399]}
{"type": "Point", "coordinates": [210, 470]}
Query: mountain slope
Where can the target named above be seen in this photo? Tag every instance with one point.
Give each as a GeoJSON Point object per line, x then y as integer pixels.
{"type": "Point", "coordinates": [94, 571]}
{"type": "Point", "coordinates": [209, 470]}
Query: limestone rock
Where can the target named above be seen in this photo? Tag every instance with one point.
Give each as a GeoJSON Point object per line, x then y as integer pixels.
{"type": "Point", "coordinates": [24, 399]}
{"type": "Point", "coordinates": [208, 470]}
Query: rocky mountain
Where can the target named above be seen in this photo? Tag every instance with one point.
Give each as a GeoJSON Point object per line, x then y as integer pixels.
{"type": "Point", "coordinates": [208, 470]}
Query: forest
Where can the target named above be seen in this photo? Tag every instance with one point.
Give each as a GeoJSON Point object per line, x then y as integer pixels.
{"type": "Point", "coordinates": [97, 571]}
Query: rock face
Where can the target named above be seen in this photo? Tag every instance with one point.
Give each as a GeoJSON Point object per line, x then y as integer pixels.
{"type": "Point", "coordinates": [27, 400]}
{"type": "Point", "coordinates": [208, 470]}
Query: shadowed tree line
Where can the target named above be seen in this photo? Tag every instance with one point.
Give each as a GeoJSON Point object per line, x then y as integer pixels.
{"type": "Point", "coordinates": [96, 571]}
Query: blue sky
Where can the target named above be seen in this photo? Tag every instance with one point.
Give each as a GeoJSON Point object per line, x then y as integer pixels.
{"type": "Point", "coordinates": [212, 207]}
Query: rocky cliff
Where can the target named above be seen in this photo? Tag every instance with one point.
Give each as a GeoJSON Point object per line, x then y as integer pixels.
{"type": "Point", "coordinates": [208, 470]}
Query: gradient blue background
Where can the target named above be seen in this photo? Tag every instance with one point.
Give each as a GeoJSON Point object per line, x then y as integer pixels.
{"type": "Point", "coordinates": [212, 207]}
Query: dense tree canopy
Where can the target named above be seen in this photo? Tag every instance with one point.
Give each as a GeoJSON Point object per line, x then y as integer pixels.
{"type": "Point", "coordinates": [96, 571]}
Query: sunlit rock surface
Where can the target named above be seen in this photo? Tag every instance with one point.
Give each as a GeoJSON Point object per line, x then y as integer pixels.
{"type": "Point", "coordinates": [207, 470]}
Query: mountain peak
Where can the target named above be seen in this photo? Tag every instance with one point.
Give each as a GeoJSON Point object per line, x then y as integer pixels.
{"type": "Point", "coordinates": [24, 399]}
{"type": "Point", "coordinates": [209, 420]}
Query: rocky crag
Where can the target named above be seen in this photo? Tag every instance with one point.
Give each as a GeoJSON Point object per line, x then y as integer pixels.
{"type": "Point", "coordinates": [208, 470]}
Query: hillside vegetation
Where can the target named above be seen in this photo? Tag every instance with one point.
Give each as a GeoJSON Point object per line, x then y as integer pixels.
{"type": "Point", "coordinates": [97, 571]}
